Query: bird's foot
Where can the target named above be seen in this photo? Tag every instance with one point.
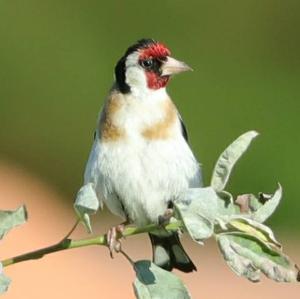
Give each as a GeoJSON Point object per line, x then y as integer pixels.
{"type": "Point", "coordinates": [113, 237]}
{"type": "Point", "coordinates": [165, 218]}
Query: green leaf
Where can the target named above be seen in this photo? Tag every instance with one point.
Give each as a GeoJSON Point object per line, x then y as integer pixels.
{"type": "Point", "coordinates": [255, 229]}
{"type": "Point", "coordinates": [198, 209]}
{"type": "Point", "coordinates": [247, 206]}
{"type": "Point", "coordinates": [242, 266]}
{"type": "Point", "coordinates": [228, 159]}
{"type": "Point", "coordinates": [4, 281]}
{"type": "Point", "coordinates": [248, 256]}
{"type": "Point", "coordinates": [248, 246]}
{"type": "Point", "coordinates": [86, 204]}
{"type": "Point", "coordinates": [152, 282]}
{"type": "Point", "coordinates": [11, 219]}
{"type": "Point", "coordinates": [226, 208]}
{"type": "Point", "coordinates": [267, 209]}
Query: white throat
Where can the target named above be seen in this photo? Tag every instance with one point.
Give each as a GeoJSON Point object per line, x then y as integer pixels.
{"type": "Point", "coordinates": [148, 95]}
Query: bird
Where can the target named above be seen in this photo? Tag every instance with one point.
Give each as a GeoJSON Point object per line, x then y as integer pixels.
{"type": "Point", "coordinates": [140, 159]}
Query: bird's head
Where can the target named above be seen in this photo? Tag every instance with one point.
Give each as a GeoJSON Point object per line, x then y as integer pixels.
{"type": "Point", "coordinates": [146, 65]}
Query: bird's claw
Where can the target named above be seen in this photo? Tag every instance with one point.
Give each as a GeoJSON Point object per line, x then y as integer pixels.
{"type": "Point", "coordinates": [113, 237]}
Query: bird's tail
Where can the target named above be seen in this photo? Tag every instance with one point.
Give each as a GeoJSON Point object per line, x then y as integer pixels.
{"type": "Point", "coordinates": [168, 253]}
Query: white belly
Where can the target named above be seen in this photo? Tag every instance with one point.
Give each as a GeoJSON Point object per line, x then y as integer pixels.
{"type": "Point", "coordinates": [141, 176]}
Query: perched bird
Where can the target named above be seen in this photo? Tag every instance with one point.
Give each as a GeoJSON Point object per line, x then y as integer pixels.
{"type": "Point", "coordinates": [140, 159]}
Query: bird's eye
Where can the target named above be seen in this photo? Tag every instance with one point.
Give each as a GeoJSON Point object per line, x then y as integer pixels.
{"type": "Point", "coordinates": [147, 63]}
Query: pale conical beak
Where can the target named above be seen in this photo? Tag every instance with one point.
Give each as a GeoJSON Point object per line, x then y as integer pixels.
{"type": "Point", "coordinates": [172, 66]}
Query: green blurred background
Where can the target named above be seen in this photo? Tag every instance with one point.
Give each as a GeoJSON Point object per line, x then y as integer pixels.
{"type": "Point", "coordinates": [56, 66]}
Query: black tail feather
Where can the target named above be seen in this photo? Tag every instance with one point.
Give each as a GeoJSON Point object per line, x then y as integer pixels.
{"type": "Point", "coordinates": [168, 253]}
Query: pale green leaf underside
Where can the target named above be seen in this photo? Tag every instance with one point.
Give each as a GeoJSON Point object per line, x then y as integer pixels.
{"type": "Point", "coordinates": [197, 208]}
{"type": "Point", "coordinates": [248, 256]}
{"type": "Point", "coordinates": [11, 219]}
{"type": "Point", "coordinates": [255, 229]}
{"type": "Point", "coordinates": [248, 246]}
{"type": "Point", "coordinates": [268, 208]}
{"type": "Point", "coordinates": [257, 209]}
{"type": "Point", "coordinates": [228, 159]}
{"type": "Point", "coordinates": [86, 204]}
{"type": "Point", "coordinates": [152, 282]}
{"type": "Point", "coordinates": [4, 281]}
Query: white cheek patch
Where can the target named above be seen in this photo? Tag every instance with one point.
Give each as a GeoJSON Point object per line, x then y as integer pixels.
{"type": "Point", "coordinates": [135, 75]}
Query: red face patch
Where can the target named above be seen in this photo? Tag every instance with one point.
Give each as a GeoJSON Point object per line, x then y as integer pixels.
{"type": "Point", "coordinates": [155, 81]}
{"type": "Point", "coordinates": [157, 53]}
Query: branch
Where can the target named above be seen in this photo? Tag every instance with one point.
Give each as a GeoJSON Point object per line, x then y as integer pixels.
{"type": "Point", "coordinates": [101, 240]}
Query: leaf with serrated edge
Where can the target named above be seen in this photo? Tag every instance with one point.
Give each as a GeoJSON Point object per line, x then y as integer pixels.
{"type": "Point", "coordinates": [247, 256]}
{"type": "Point", "coordinates": [152, 282]}
{"type": "Point", "coordinates": [86, 204]}
{"type": "Point", "coordinates": [197, 208]}
{"type": "Point", "coordinates": [228, 159]}
{"type": "Point", "coordinates": [4, 281]}
{"type": "Point", "coordinates": [11, 219]}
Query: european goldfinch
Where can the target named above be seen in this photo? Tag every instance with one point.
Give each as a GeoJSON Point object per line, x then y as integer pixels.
{"type": "Point", "coordinates": [140, 159]}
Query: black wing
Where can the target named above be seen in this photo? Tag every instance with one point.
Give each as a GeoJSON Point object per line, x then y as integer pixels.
{"type": "Point", "coordinates": [184, 130]}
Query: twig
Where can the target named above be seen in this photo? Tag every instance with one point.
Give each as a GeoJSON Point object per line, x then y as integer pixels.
{"type": "Point", "coordinates": [98, 240]}
{"type": "Point", "coordinates": [127, 257]}
{"type": "Point", "coordinates": [71, 230]}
